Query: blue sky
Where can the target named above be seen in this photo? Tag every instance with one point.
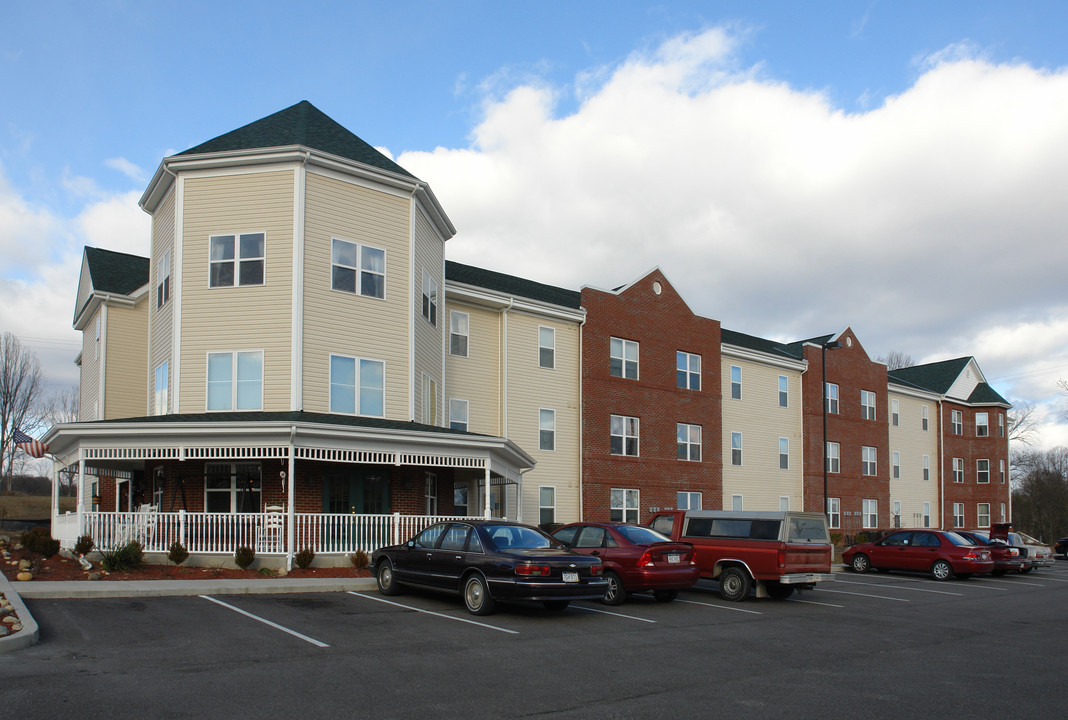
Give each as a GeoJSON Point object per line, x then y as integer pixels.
{"type": "Point", "coordinates": [793, 167]}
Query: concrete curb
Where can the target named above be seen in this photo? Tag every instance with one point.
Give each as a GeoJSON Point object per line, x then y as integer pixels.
{"type": "Point", "coordinates": [30, 633]}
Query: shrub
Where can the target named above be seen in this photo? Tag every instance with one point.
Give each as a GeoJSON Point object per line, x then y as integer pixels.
{"type": "Point", "coordinates": [836, 538]}
{"type": "Point", "coordinates": [244, 556]}
{"type": "Point", "coordinates": [40, 542]}
{"type": "Point", "coordinates": [359, 560]}
{"type": "Point", "coordinates": [304, 558]}
{"type": "Point", "coordinates": [84, 545]}
{"type": "Point", "coordinates": [128, 557]}
{"type": "Point", "coordinates": [177, 553]}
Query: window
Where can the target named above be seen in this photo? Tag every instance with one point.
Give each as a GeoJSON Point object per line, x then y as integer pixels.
{"type": "Point", "coordinates": [546, 505]}
{"type": "Point", "coordinates": [867, 404]}
{"type": "Point", "coordinates": [982, 511]}
{"type": "Point", "coordinates": [784, 503]}
{"type": "Point", "coordinates": [236, 260]}
{"type": "Point", "coordinates": [159, 479]}
{"type": "Point", "coordinates": [458, 414]}
{"type": "Point", "coordinates": [232, 487]}
{"type": "Point", "coordinates": [982, 471]}
{"type": "Point", "coordinates": [736, 448]}
{"type": "Point", "coordinates": [925, 419]}
{"type": "Point", "coordinates": [784, 453]}
{"type": "Point", "coordinates": [1001, 425]}
{"type": "Point", "coordinates": [430, 298]}
{"type": "Point", "coordinates": [896, 519]}
{"type": "Point", "coordinates": [688, 442]}
{"type": "Point", "coordinates": [163, 279]}
{"type": "Point", "coordinates": [736, 503]}
{"type": "Point", "coordinates": [867, 461]}
{"type": "Point", "coordinates": [547, 347]}
{"type": "Point", "coordinates": [1001, 470]}
{"type": "Point", "coordinates": [870, 513]}
{"type": "Point", "coordinates": [624, 505]}
{"type": "Point", "coordinates": [784, 391]}
{"type": "Point", "coordinates": [957, 421]}
{"type": "Point", "coordinates": [926, 467]}
{"type": "Point", "coordinates": [736, 382]}
{"type": "Point", "coordinates": [895, 412]}
{"type": "Point", "coordinates": [546, 429]}
{"type": "Point", "coordinates": [430, 401]}
{"type": "Point", "coordinates": [958, 470]}
{"type": "Point", "coordinates": [235, 380]}
{"type": "Point", "coordinates": [430, 493]}
{"type": "Point", "coordinates": [688, 500]}
{"type": "Point", "coordinates": [624, 432]}
{"type": "Point", "coordinates": [896, 465]}
{"type": "Point", "coordinates": [357, 386]}
{"type": "Point", "coordinates": [459, 333]}
{"type": "Point", "coordinates": [834, 512]}
{"type": "Point", "coordinates": [831, 396]}
{"type": "Point", "coordinates": [688, 370]}
{"type": "Point", "coordinates": [958, 515]}
{"type": "Point", "coordinates": [1002, 513]}
{"type": "Point", "coordinates": [982, 424]}
{"type": "Point", "coordinates": [834, 457]}
{"type": "Point", "coordinates": [624, 359]}
{"type": "Point", "coordinates": [459, 500]}
{"type": "Point", "coordinates": [927, 514]}
{"type": "Point", "coordinates": [161, 389]}
{"type": "Point", "coordinates": [349, 261]}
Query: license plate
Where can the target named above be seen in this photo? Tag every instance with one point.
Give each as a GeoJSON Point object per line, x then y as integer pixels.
{"type": "Point", "coordinates": [674, 558]}
{"type": "Point", "coordinates": [570, 577]}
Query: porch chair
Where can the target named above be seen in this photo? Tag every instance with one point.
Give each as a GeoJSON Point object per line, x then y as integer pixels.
{"type": "Point", "coordinates": [147, 521]}
{"type": "Point", "coordinates": [269, 538]}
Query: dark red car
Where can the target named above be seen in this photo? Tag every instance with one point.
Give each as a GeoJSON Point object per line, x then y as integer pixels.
{"type": "Point", "coordinates": [943, 554]}
{"type": "Point", "coordinates": [636, 559]}
{"type": "Point", "coordinates": [1006, 557]}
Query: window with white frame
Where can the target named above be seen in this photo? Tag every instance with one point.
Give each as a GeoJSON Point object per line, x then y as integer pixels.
{"type": "Point", "coordinates": [982, 424]}
{"type": "Point", "coordinates": [160, 395]}
{"type": "Point", "coordinates": [870, 513]}
{"type": "Point", "coordinates": [736, 382]}
{"type": "Point", "coordinates": [867, 404]}
{"type": "Point", "coordinates": [1002, 516]}
{"type": "Point", "coordinates": [834, 512]}
{"type": "Point", "coordinates": [546, 429]}
{"type": "Point", "coordinates": [357, 269]}
{"type": "Point", "coordinates": [926, 467]}
{"type": "Point", "coordinates": [925, 418]}
{"type": "Point", "coordinates": [736, 448]}
{"type": "Point", "coordinates": [430, 298]}
{"type": "Point", "coordinates": [624, 435]}
{"type": "Point", "coordinates": [958, 470]}
{"type": "Point", "coordinates": [834, 457]}
{"type": "Point", "coordinates": [1001, 425]}
{"type": "Point", "coordinates": [624, 505]}
{"type": "Point", "coordinates": [688, 500]}
{"type": "Point", "coordinates": [1001, 470]}
{"type": "Point", "coordinates": [737, 503]}
{"type": "Point", "coordinates": [868, 464]}
{"type": "Point", "coordinates": [958, 515]}
{"type": "Point", "coordinates": [459, 333]}
{"type": "Point", "coordinates": [430, 400]}
{"type": "Point", "coordinates": [159, 478]}
{"type": "Point", "coordinates": [460, 500]}
{"type": "Point", "coordinates": [458, 414]}
{"type": "Point", "coordinates": [982, 471]}
{"type": "Point", "coordinates": [982, 512]}
{"type": "Point", "coordinates": [236, 260]}
{"type": "Point", "coordinates": [927, 514]}
{"type": "Point", "coordinates": [163, 279]}
{"type": "Point", "coordinates": [895, 412]}
{"type": "Point", "coordinates": [784, 391]}
{"type": "Point", "coordinates": [831, 389]}
{"type": "Point", "coordinates": [430, 493]}
{"type": "Point", "coordinates": [357, 386]}
{"type": "Point", "coordinates": [623, 360]}
{"type": "Point", "coordinates": [784, 503]}
{"type": "Point", "coordinates": [688, 442]}
{"type": "Point", "coordinates": [687, 370]}
{"type": "Point", "coordinates": [546, 347]}
{"type": "Point", "coordinates": [896, 519]}
{"type": "Point", "coordinates": [232, 487]}
{"type": "Point", "coordinates": [235, 380]}
{"type": "Point", "coordinates": [546, 504]}
{"type": "Point", "coordinates": [896, 464]}
{"type": "Point", "coordinates": [784, 453]}
{"type": "Point", "coordinates": [956, 418]}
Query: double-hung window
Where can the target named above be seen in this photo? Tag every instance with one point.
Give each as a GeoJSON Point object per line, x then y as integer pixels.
{"type": "Point", "coordinates": [982, 511]}
{"type": "Point", "coordinates": [685, 500]}
{"type": "Point", "coordinates": [687, 370]}
{"type": "Point", "coordinates": [831, 390]}
{"type": "Point", "coordinates": [688, 442]}
{"type": "Point", "coordinates": [237, 259]}
{"type": "Point", "coordinates": [958, 515]}
{"type": "Point", "coordinates": [357, 386]}
{"type": "Point", "coordinates": [358, 269]}
{"type": "Point", "coordinates": [927, 514]}
{"type": "Point", "coordinates": [624, 505]}
{"type": "Point", "coordinates": [896, 465]}
{"type": "Point", "coordinates": [458, 414]}
{"type": "Point", "coordinates": [834, 457]}
{"type": "Point", "coordinates": [546, 347]}
{"type": "Point", "coordinates": [430, 298]}
{"type": "Point", "coordinates": [868, 461]}
{"type": "Point", "coordinates": [870, 513]}
{"type": "Point", "coordinates": [834, 512]}
{"type": "Point", "coordinates": [459, 333]}
{"type": "Point", "coordinates": [895, 412]}
{"type": "Point", "coordinates": [926, 467]}
{"type": "Point", "coordinates": [1001, 425]}
{"type": "Point", "coordinates": [736, 382]}
{"type": "Point", "coordinates": [957, 421]}
{"type": "Point", "coordinates": [623, 359]}
{"type": "Point", "coordinates": [232, 487]}
{"type": "Point", "coordinates": [784, 391]}
{"type": "Point", "coordinates": [546, 504]}
{"type": "Point", "coordinates": [235, 380]}
{"type": "Point", "coordinates": [162, 380]}
{"type": "Point", "coordinates": [784, 453]}
{"type": "Point", "coordinates": [982, 471]}
{"type": "Point", "coordinates": [546, 429]}
{"type": "Point", "coordinates": [982, 424]}
{"type": "Point", "coordinates": [736, 448]}
{"type": "Point", "coordinates": [867, 404]}
{"type": "Point", "coordinates": [925, 420]}
{"type": "Point", "coordinates": [163, 279]}
{"type": "Point", "coordinates": [958, 470]}
{"type": "Point", "coordinates": [624, 435]}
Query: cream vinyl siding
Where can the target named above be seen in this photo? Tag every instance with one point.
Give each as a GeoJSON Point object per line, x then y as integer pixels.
{"type": "Point", "coordinates": [531, 388]}
{"type": "Point", "coordinates": [477, 377]}
{"type": "Point", "coordinates": [761, 421]}
{"type": "Point", "coordinates": [161, 341]}
{"type": "Point", "coordinates": [127, 361]}
{"type": "Point", "coordinates": [429, 339]}
{"type": "Point", "coordinates": [909, 439]}
{"type": "Point", "coordinates": [343, 323]}
{"type": "Point", "coordinates": [237, 318]}
{"type": "Point", "coordinates": [89, 375]}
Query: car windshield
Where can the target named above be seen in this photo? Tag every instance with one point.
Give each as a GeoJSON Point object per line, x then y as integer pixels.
{"type": "Point", "coordinates": [507, 537]}
{"type": "Point", "coordinates": [957, 539]}
{"type": "Point", "coordinates": [804, 529]}
{"type": "Point", "coordinates": [641, 535]}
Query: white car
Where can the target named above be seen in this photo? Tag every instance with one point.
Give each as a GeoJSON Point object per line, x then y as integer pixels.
{"type": "Point", "coordinates": [1040, 555]}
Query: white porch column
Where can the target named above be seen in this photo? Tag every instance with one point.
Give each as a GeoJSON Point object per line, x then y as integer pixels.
{"type": "Point", "coordinates": [81, 493]}
{"type": "Point", "coordinates": [486, 512]}
{"type": "Point", "coordinates": [291, 532]}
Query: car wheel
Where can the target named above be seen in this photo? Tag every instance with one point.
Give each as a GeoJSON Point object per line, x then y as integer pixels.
{"type": "Point", "coordinates": [734, 584]}
{"type": "Point", "coordinates": [860, 563]}
{"type": "Point", "coordinates": [665, 595]}
{"type": "Point", "coordinates": [556, 605]}
{"type": "Point", "coordinates": [1026, 570]}
{"type": "Point", "coordinates": [615, 594]}
{"type": "Point", "coordinates": [477, 597]}
{"type": "Point", "coordinates": [779, 591]}
{"type": "Point", "coordinates": [387, 582]}
{"type": "Point", "coordinates": [941, 570]}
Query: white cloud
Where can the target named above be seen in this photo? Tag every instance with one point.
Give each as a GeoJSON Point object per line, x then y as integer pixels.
{"type": "Point", "coordinates": [128, 169]}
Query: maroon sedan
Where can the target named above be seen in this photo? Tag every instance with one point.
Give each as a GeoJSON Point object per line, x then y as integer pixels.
{"type": "Point", "coordinates": [943, 554]}
{"type": "Point", "coordinates": [1006, 557]}
{"type": "Point", "coordinates": [636, 559]}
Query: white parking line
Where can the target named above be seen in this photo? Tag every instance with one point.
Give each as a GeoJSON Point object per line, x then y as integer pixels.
{"type": "Point", "coordinates": [276, 626]}
{"type": "Point", "coordinates": [436, 614]}
{"type": "Point", "coordinates": [1052, 579]}
{"type": "Point", "coordinates": [877, 597]}
{"type": "Point", "coordinates": [1012, 582]}
{"type": "Point", "coordinates": [902, 587]}
{"type": "Point", "coordinates": [721, 607]}
{"type": "Point", "coordinates": [813, 602]}
{"type": "Point", "coordinates": [609, 612]}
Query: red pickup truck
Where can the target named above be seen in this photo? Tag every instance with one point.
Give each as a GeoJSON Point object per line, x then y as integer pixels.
{"type": "Point", "coordinates": [778, 551]}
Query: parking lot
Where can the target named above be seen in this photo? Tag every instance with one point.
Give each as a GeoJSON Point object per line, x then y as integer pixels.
{"type": "Point", "coordinates": [885, 645]}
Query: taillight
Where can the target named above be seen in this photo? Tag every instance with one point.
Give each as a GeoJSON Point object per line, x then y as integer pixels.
{"type": "Point", "coordinates": [1013, 552]}
{"type": "Point", "coordinates": [646, 560]}
{"type": "Point", "coordinates": [782, 557]}
{"type": "Point", "coordinates": [529, 569]}
{"type": "Point", "coordinates": [597, 569]}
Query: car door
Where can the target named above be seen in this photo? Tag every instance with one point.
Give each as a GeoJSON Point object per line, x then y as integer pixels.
{"type": "Point", "coordinates": [413, 564]}
{"type": "Point", "coordinates": [927, 547]}
{"type": "Point", "coordinates": [890, 551]}
{"type": "Point", "coordinates": [590, 540]}
{"type": "Point", "coordinates": [447, 562]}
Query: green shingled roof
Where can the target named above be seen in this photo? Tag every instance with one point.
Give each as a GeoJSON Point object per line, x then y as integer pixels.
{"type": "Point", "coordinates": [984, 394]}
{"type": "Point", "coordinates": [751, 342]}
{"type": "Point", "coordinates": [511, 285]}
{"type": "Point", "coordinates": [301, 124]}
{"type": "Point", "coordinates": [115, 272]}
{"type": "Point", "coordinates": [938, 376]}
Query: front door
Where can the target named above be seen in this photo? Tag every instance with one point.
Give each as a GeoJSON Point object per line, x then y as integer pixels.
{"type": "Point", "coordinates": [364, 491]}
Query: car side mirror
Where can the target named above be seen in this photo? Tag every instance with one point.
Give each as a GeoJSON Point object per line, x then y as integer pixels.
{"type": "Point", "coordinates": [410, 544]}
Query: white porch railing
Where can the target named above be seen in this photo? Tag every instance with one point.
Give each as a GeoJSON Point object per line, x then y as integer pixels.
{"type": "Point", "coordinates": [223, 533]}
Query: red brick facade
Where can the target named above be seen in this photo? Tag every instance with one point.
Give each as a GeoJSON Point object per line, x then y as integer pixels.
{"type": "Point", "coordinates": [971, 448]}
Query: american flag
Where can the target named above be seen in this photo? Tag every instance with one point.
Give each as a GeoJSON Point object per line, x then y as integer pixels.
{"type": "Point", "coordinates": [36, 448]}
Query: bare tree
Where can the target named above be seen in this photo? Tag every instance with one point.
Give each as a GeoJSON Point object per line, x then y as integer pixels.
{"type": "Point", "coordinates": [895, 360]}
{"type": "Point", "coordinates": [1023, 425]}
{"type": "Point", "coordinates": [20, 386]}
{"type": "Point", "coordinates": [1040, 503]}
{"type": "Point", "coordinates": [63, 407]}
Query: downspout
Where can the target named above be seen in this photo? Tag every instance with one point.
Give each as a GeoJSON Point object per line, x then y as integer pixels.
{"type": "Point", "coordinates": [504, 403]}
{"type": "Point", "coordinates": [581, 450]}
{"type": "Point", "coordinates": [941, 469]}
{"type": "Point", "coordinates": [290, 530]}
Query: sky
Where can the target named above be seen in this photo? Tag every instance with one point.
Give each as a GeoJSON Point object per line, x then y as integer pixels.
{"type": "Point", "coordinates": [900, 168]}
